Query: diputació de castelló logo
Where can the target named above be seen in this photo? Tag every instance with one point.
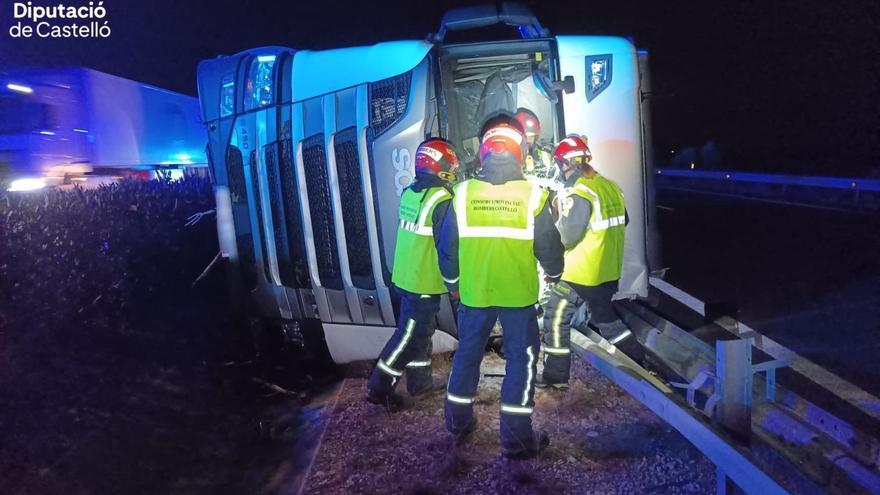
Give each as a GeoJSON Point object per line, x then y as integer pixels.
{"type": "Point", "coordinates": [59, 20]}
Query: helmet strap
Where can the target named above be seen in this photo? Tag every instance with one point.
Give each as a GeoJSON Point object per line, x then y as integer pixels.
{"type": "Point", "coordinates": [565, 166]}
{"type": "Point", "coordinates": [447, 176]}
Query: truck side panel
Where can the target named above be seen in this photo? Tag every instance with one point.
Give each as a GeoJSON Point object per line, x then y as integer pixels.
{"type": "Point", "coordinates": [136, 125]}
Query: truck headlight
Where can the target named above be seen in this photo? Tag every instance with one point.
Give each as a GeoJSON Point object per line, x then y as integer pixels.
{"type": "Point", "coordinates": [28, 184]}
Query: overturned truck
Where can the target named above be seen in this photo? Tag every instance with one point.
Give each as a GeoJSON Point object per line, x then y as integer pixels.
{"type": "Point", "coordinates": [311, 151]}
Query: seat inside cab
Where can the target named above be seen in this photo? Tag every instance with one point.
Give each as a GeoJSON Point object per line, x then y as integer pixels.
{"type": "Point", "coordinates": [479, 81]}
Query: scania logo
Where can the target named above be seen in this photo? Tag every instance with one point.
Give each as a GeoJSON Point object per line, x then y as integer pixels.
{"type": "Point", "coordinates": [404, 176]}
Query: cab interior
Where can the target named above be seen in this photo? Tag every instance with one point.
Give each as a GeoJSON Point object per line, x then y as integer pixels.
{"type": "Point", "coordinates": [478, 81]}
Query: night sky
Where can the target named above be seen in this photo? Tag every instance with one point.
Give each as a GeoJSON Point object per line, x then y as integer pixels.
{"type": "Point", "coordinates": [787, 87]}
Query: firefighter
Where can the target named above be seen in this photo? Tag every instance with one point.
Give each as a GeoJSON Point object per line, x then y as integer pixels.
{"type": "Point", "coordinates": [592, 222]}
{"type": "Point", "coordinates": [496, 230]}
{"type": "Point", "coordinates": [537, 157]}
{"type": "Point", "coordinates": [416, 276]}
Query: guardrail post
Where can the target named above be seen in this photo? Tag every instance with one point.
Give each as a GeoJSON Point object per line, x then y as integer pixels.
{"type": "Point", "coordinates": [733, 361]}
{"type": "Point", "coordinates": [723, 484]}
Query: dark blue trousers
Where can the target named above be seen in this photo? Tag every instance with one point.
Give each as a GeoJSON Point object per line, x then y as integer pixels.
{"type": "Point", "coordinates": [565, 299]}
{"type": "Point", "coordinates": [521, 347]}
{"type": "Point", "coordinates": [409, 348]}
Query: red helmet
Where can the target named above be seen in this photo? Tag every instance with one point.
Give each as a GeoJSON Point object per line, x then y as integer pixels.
{"type": "Point", "coordinates": [503, 139]}
{"type": "Point", "coordinates": [573, 150]}
{"type": "Point", "coordinates": [529, 122]}
{"type": "Point", "coordinates": [437, 157]}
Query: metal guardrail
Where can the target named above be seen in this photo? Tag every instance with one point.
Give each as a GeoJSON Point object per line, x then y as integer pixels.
{"type": "Point", "coordinates": [762, 437]}
{"type": "Point", "coordinates": [848, 183]}
{"type": "Point", "coordinates": [731, 464]}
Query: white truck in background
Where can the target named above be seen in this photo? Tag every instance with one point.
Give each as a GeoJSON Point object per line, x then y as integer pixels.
{"type": "Point", "coordinates": [75, 125]}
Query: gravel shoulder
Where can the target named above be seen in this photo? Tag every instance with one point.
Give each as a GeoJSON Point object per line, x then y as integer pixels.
{"type": "Point", "coordinates": [602, 441]}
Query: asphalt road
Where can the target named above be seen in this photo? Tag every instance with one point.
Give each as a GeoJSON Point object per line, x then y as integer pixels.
{"type": "Point", "coordinates": [807, 277]}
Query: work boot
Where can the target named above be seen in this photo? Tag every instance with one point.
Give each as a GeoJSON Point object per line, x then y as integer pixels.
{"type": "Point", "coordinates": [621, 337]}
{"type": "Point", "coordinates": [527, 450]}
{"type": "Point", "coordinates": [433, 387]}
{"type": "Point", "coordinates": [390, 401]}
{"type": "Point", "coordinates": [543, 382]}
{"type": "Point", "coordinates": [464, 433]}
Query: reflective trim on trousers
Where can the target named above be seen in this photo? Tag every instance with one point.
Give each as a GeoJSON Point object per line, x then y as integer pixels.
{"type": "Point", "coordinates": [451, 280]}
{"type": "Point", "coordinates": [525, 411]}
{"type": "Point", "coordinates": [557, 320]}
{"type": "Point", "coordinates": [402, 344]}
{"type": "Point", "coordinates": [418, 364]}
{"type": "Point", "coordinates": [525, 399]}
{"type": "Point", "coordinates": [557, 350]}
{"type": "Point", "coordinates": [387, 369]}
{"type": "Point", "coordinates": [623, 335]}
{"type": "Point", "coordinates": [458, 399]}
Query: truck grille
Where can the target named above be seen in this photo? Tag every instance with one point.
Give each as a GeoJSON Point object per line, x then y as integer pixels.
{"type": "Point", "coordinates": [388, 100]}
{"type": "Point", "coordinates": [353, 213]}
{"type": "Point", "coordinates": [258, 208]}
{"type": "Point", "coordinates": [282, 249]}
{"type": "Point", "coordinates": [235, 171]}
{"type": "Point", "coordinates": [238, 192]}
{"type": "Point", "coordinates": [321, 211]}
{"type": "Point", "coordinates": [298, 276]}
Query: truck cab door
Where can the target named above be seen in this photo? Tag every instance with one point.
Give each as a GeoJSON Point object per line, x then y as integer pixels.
{"type": "Point", "coordinates": [605, 105]}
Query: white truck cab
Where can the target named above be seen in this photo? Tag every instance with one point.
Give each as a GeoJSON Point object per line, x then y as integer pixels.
{"type": "Point", "coordinates": [311, 150]}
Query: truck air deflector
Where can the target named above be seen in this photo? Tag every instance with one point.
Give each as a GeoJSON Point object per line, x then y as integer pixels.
{"type": "Point", "coordinates": [477, 16]}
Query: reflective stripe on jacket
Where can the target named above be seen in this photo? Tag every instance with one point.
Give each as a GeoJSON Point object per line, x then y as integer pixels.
{"type": "Point", "coordinates": [496, 232]}
{"type": "Point", "coordinates": [598, 257]}
{"type": "Point", "coordinates": [415, 266]}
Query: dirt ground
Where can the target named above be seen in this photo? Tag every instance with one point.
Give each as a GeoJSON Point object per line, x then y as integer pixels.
{"type": "Point", "coordinates": [602, 442]}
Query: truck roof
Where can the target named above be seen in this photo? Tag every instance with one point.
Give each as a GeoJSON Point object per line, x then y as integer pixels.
{"type": "Point", "coordinates": [57, 76]}
{"type": "Point", "coordinates": [321, 72]}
